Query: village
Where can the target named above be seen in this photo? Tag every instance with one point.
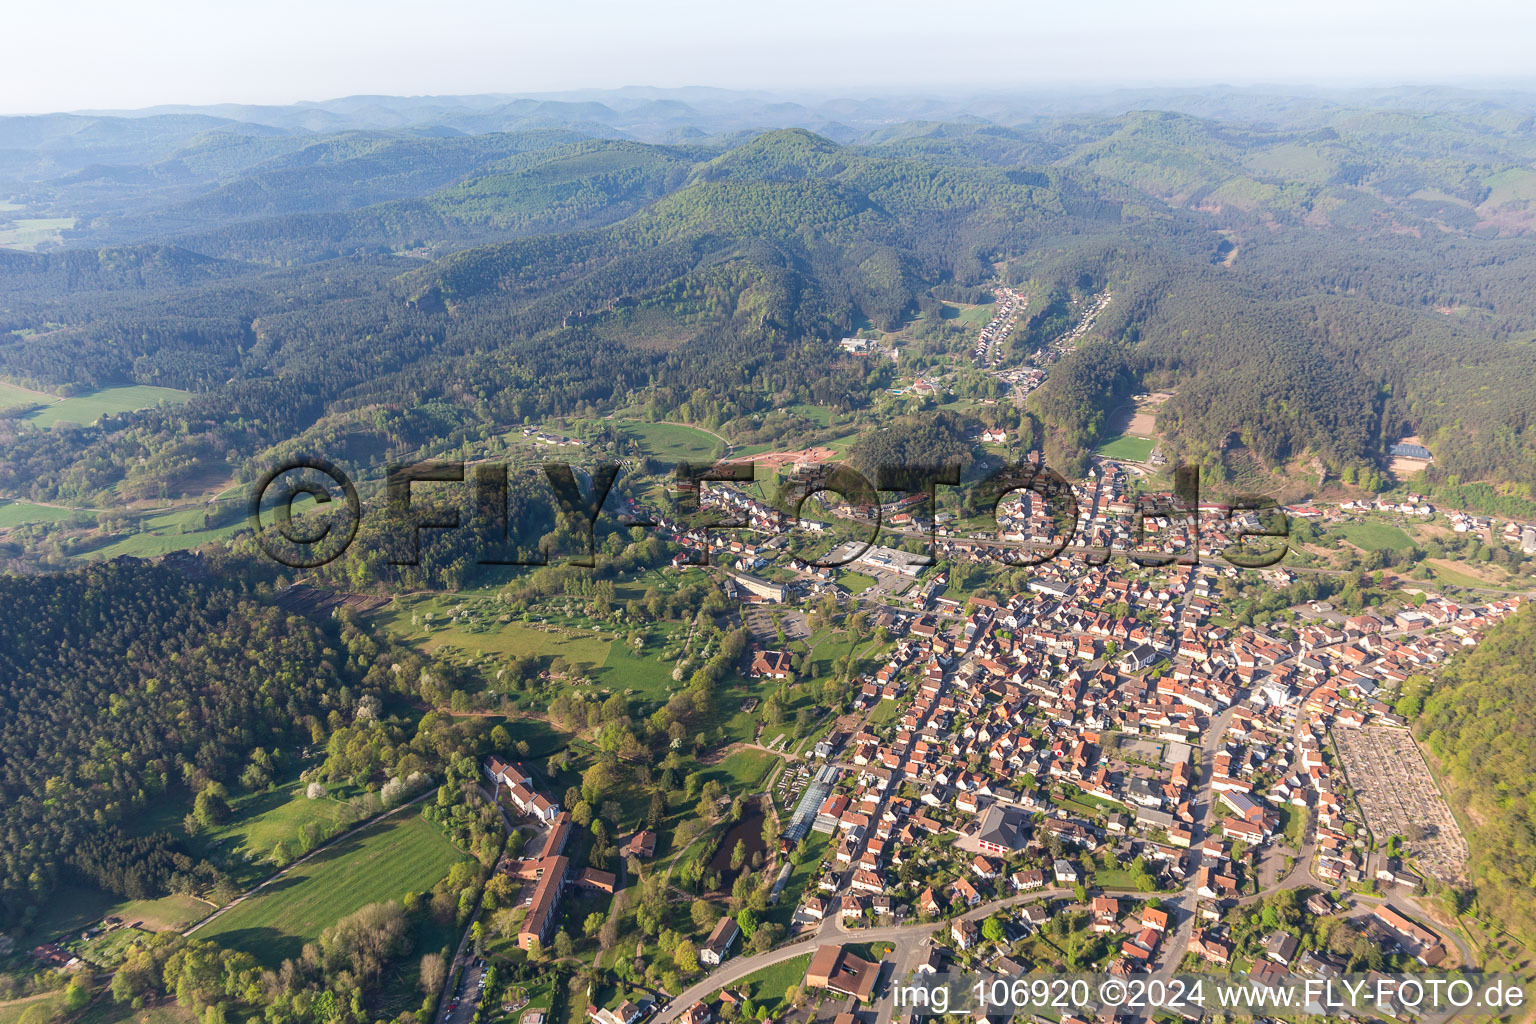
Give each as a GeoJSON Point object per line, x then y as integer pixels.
{"type": "Point", "coordinates": [1106, 749]}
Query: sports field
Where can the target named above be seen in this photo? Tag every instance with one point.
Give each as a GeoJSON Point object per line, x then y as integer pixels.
{"type": "Point", "coordinates": [1376, 536]}
{"type": "Point", "coordinates": [1128, 448]}
{"type": "Point", "coordinates": [405, 853]}
{"type": "Point", "coordinates": [674, 442]}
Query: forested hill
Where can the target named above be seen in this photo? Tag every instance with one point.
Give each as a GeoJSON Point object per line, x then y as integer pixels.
{"type": "Point", "coordinates": [1480, 723]}
{"type": "Point", "coordinates": [121, 685]}
{"type": "Point", "coordinates": [1309, 290]}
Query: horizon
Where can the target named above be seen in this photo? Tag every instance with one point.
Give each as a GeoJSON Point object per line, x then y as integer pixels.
{"type": "Point", "coordinates": [173, 53]}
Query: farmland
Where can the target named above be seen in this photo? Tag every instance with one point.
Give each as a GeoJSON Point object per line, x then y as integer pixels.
{"type": "Point", "coordinates": [16, 513]}
{"type": "Point", "coordinates": [87, 409]}
{"type": "Point", "coordinates": [400, 855]}
{"type": "Point", "coordinates": [167, 532]}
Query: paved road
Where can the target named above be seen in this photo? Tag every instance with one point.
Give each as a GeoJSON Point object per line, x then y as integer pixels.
{"type": "Point", "coordinates": [909, 937]}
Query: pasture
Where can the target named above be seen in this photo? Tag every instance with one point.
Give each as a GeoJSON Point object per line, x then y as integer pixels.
{"type": "Point", "coordinates": [402, 854]}
{"type": "Point", "coordinates": [87, 409]}
{"type": "Point", "coordinates": [16, 513]}
{"type": "Point", "coordinates": [167, 532]}
{"type": "Point", "coordinates": [30, 232]}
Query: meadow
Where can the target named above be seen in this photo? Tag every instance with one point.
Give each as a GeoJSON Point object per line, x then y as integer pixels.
{"type": "Point", "coordinates": [402, 854]}
{"type": "Point", "coordinates": [167, 532]}
{"type": "Point", "coordinates": [13, 396]}
{"type": "Point", "coordinates": [30, 232]}
{"type": "Point", "coordinates": [73, 907]}
{"type": "Point", "coordinates": [16, 513]}
{"type": "Point", "coordinates": [87, 409]}
{"type": "Point", "coordinates": [264, 819]}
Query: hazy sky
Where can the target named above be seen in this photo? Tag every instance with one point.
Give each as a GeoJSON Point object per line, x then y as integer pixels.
{"type": "Point", "coordinates": [73, 54]}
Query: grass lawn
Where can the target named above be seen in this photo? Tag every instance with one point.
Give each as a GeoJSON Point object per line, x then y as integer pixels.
{"type": "Point", "coordinates": [1131, 449]}
{"type": "Point", "coordinates": [885, 711]}
{"type": "Point", "coordinates": [817, 414]}
{"type": "Point", "coordinates": [800, 876]}
{"type": "Point", "coordinates": [262, 820]}
{"type": "Point", "coordinates": [87, 409]}
{"type": "Point", "coordinates": [402, 854]}
{"type": "Point", "coordinates": [72, 907]}
{"type": "Point", "coordinates": [1115, 878]}
{"type": "Point", "coordinates": [13, 396]}
{"type": "Point", "coordinates": [1375, 536]}
{"type": "Point", "coordinates": [15, 513]}
{"type": "Point", "coordinates": [105, 1011]}
{"type": "Point", "coordinates": [856, 582]}
{"type": "Point", "coordinates": [674, 442]}
{"type": "Point", "coordinates": [743, 770]}
{"type": "Point", "coordinates": [766, 987]}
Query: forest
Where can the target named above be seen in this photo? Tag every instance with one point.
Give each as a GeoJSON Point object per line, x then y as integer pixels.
{"type": "Point", "coordinates": [1477, 719]}
{"type": "Point", "coordinates": [407, 292]}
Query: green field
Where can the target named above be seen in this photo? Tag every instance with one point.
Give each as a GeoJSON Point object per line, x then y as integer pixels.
{"type": "Point", "coordinates": [12, 396]}
{"type": "Point", "coordinates": [170, 531]}
{"type": "Point", "coordinates": [743, 770]}
{"type": "Point", "coordinates": [15, 513]}
{"type": "Point", "coordinates": [402, 854]}
{"type": "Point", "coordinates": [817, 414]}
{"type": "Point", "coordinates": [30, 232]}
{"type": "Point", "coordinates": [1131, 449]}
{"type": "Point", "coordinates": [674, 442]}
{"type": "Point", "coordinates": [766, 987]}
{"type": "Point", "coordinates": [1375, 536]}
{"type": "Point", "coordinates": [856, 582]}
{"type": "Point", "coordinates": [87, 409]}
{"type": "Point", "coordinates": [262, 820]}
{"type": "Point", "coordinates": [976, 316]}
{"type": "Point", "coordinates": [72, 907]}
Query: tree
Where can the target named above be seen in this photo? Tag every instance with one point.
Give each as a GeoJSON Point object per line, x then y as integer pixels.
{"type": "Point", "coordinates": [992, 930]}
{"type": "Point", "coordinates": [702, 913]}
{"type": "Point", "coordinates": [76, 995]}
{"type": "Point", "coordinates": [564, 947]}
{"type": "Point", "coordinates": [433, 972]}
{"type": "Point", "coordinates": [686, 957]}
